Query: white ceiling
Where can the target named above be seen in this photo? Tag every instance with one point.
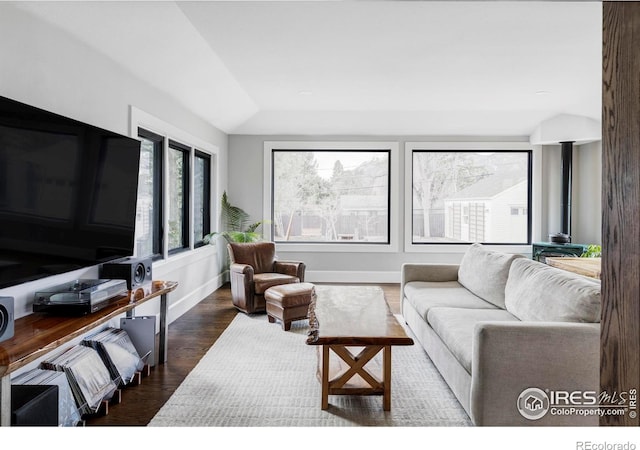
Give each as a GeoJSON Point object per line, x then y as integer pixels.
{"type": "Point", "coordinates": [355, 67]}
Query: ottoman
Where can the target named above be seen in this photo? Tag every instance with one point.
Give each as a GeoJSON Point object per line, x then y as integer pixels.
{"type": "Point", "coordinates": [288, 302]}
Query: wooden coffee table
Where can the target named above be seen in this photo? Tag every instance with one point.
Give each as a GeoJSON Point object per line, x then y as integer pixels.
{"type": "Point", "coordinates": [355, 324]}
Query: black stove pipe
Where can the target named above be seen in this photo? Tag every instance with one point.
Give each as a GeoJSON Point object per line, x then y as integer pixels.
{"type": "Point", "coordinates": [565, 217]}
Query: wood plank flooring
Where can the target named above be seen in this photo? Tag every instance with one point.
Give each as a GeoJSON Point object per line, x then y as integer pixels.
{"type": "Point", "coordinates": [190, 336]}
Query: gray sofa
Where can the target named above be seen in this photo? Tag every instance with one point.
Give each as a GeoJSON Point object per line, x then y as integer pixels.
{"type": "Point", "coordinates": [507, 334]}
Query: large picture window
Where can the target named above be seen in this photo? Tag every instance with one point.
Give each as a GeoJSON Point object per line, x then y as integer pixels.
{"type": "Point", "coordinates": [331, 196]}
{"type": "Point", "coordinates": [465, 196]}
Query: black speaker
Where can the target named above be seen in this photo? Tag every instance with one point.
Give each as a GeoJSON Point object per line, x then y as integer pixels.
{"type": "Point", "coordinates": [6, 318]}
{"type": "Point", "coordinates": [136, 271]}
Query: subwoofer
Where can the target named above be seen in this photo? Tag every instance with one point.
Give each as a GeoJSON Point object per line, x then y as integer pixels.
{"type": "Point", "coordinates": [6, 318]}
{"type": "Point", "coordinates": [136, 271]}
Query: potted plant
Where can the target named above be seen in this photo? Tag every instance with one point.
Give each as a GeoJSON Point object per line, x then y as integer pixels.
{"type": "Point", "coordinates": [236, 224]}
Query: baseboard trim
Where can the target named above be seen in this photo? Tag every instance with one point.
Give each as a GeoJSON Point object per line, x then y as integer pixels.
{"type": "Point", "coordinates": [185, 303]}
{"type": "Point", "coordinates": [322, 276]}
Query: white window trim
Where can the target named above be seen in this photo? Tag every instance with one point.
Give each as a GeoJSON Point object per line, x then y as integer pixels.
{"type": "Point", "coordinates": [394, 193]}
{"type": "Point", "coordinates": [141, 119]}
{"type": "Point", "coordinates": [536, 193]}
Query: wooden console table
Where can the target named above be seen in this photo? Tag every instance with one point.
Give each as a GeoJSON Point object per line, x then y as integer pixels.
{"type": "Point", "coordinates": [589, 267]}
{"type": "Point", "coordinates": [40, 333]}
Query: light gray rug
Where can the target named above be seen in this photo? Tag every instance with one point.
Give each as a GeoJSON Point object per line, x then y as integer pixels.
{"type": "Point", "coordinates": [258, 375]}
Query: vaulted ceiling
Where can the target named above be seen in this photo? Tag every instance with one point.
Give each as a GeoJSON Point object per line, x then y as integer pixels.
{"type": "Point", "coordinates": [354, 67]}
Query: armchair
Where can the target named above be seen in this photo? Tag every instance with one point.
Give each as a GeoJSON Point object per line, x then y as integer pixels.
{"type": "Point", "coordinates": [253, 269]}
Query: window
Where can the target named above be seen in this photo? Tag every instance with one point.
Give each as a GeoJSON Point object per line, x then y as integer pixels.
{"type": "Point", "coordinates": [149, 208]}
{"type": "Point", "coordinates": [175, 189]}
{"type": "Point", "coordinates": [178, 205]}
{"type": "Point", "coordinates": [338, 196]}
{"type": "Point", "coordinates": [463, 196]}
{"type": "Point", "coordinates": [201, 197]}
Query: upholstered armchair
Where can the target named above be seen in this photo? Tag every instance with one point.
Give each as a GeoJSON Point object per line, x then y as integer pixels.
{"type": "Point", "coordinates": [254, 268]}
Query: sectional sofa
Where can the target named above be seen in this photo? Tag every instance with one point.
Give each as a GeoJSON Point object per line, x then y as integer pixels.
{"type": "Point", "coordinates": [517, 341]}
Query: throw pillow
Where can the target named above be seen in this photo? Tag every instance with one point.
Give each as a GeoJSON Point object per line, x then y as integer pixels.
{"type": "Point", "coordinates": [536, 291]}
{"type": "Point", "coordinates": [484, 272]}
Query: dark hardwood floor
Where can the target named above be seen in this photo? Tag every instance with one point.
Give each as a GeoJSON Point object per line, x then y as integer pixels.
{"type": "Point", "coordinates": [190, 336]}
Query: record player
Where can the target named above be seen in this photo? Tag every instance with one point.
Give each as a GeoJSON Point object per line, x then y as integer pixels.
{"type": "Point", "coordinates": [79, 296]}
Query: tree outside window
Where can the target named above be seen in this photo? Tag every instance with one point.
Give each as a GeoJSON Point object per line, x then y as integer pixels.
{"type": "Point", "coordinates": [149, 203]}
{"type": "Point", "coordinates": [178, 179]}
{"type": "Point", "coordinates": [331, 196]}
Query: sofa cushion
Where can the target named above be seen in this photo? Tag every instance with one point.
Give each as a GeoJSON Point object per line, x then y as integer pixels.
{"type": "Point", "coordinates": [536, 291]}
{"type": "Point", "coordinates": [423, 295]}
{"type": "Point", "coordinates": [455, 327]}
{"type": "Point", "coordinates": [484, 272]}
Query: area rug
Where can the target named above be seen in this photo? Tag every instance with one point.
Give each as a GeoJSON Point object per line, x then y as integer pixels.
{"type": "Point", "coordinates": [257, 375]}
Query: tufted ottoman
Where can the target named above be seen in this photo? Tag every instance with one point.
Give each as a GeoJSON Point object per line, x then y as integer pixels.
{"type": "Point", "coordinates": [288, 302]}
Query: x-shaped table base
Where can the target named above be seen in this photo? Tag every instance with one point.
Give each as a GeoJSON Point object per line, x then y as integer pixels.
{"type": "Point", "coordinates": [356, 379]}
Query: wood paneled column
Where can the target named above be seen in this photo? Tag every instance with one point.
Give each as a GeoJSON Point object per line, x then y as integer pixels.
{"type": "Point", "coordinates": [620, 336]}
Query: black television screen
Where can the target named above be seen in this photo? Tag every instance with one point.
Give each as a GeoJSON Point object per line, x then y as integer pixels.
{"type": "Point", "coordinates": [67, 193]}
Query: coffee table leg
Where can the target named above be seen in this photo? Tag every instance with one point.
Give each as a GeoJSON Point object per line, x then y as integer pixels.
{"type": "Point", "coordinates": [325, 377]}
{"type": "Point", "coordinates": [386, 378]}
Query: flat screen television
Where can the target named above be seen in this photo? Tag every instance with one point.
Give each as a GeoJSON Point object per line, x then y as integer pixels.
{"type": "Point", "coordinates": [68, 194]}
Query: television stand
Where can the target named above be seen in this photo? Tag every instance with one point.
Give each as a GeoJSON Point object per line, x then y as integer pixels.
{"type": "Point", "coordinates": [39, 333]}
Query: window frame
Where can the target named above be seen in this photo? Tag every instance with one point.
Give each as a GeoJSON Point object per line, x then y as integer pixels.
{"type": "Point", "coordinates": [206, 182]}
{"type": "Point", "coordinates": [148, 122]}
{"type": "Point", "coordinates": [452, 247]}
{"type": "Point", "coordinates": [393, 199]}
{"type": "Point", "coordinates": [186, 152]}
{"type": "Point", "coordinates": [158, 197]}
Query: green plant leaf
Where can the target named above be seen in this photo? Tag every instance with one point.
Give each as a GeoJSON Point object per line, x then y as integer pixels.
{"type": "Point", "coordinates": [233, 217]}
{"type": "Point", "coordinates": [592, 251]}
{"type": "Point", "coordinates": [253, 227]}
{"type": "Point", "coordinates": [235, 222]}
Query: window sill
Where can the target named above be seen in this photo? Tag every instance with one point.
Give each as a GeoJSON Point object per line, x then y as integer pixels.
{"type": "Point", "coordinates": [524, 249]}
{"type": "Point", "coordinates": [322, 247]}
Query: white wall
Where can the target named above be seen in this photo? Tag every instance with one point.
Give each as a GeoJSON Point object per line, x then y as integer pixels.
{"type": "Point", "coordinates": [43, 66]}
{"type": "Point", "coordinates": [587, 194]}
{"type": "Point", "coordinates": [246, 184]}
{"type": "Point", "coordinates": [586, 202]}
{"type": "Point", "coordinates": [551, 191]}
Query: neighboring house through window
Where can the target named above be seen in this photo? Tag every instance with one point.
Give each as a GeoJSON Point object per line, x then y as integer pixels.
{"type": "Point", "coordinates": [463, 196]}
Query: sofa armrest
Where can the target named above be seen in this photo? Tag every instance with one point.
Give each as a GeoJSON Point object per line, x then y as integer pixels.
{"type": "Point", "coordinates": [427, 272]}
{"type": "Point", "coordinates": [293, 268]}
{"type": "Point", "coordinates": [510, 357]}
